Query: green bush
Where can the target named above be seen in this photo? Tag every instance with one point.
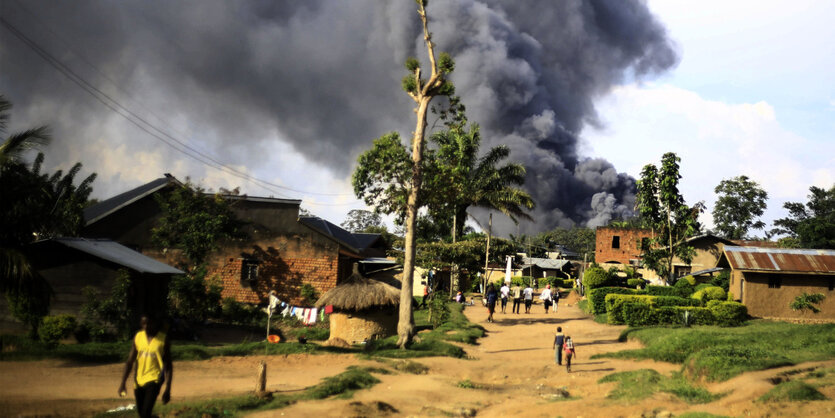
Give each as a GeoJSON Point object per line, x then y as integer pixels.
{"type": "Point", "coordinates": [701, 286]}
{"type": "Point", "coordinates": [794, 390]}
{"type": "Point", "coordinates": [566, 283]}
{"type": "Point", "coordinates": [682, 292]}
{"type": "Point", "coordinates": [728, 314]}
{"type": "Point", "coordinates": [674, 301]}
{"type": "Point", "coordinates": [523, 281]}
{"type": "Point", "coordinates": [638, 314]}
{"type": "Point", "coordinates": [709, 293]}
{"type": "Point", "coordinates": [596, 277]}
{"type": "Point", "coordinates": [597, 297]}
{"type": "Point", "coordinates": [696, 316]}
{"type": "Point", "coordinates": [54, 328]}
{"type": "Point", "coordinates": [722, 280]}
{"type": "Point", "coordinates": [690, 280]}
{"type": "Point", "coordinates": [634, 283]}
{"type": "Point", "coordinates": [615, 302]}
{"type": "Point", "coordinates": [106, 317]}
{"type": "Point", "coordinates": [234, 312]}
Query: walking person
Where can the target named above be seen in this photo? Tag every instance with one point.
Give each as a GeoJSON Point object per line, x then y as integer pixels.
{"type": "Point", "coordinates": [492, 295]}
{"type": "Point", "coordinates": [555, 298]}
{"type": "Point", "coordinates": [528, 294]}
{"type": "Point", "coordinates": [504, 292]}
{"type": "Point", "coordinates": [150, 359]}
{"type": "Point", "coordinates": [568, 348]}
{"type": "Point", "coordinates": [516, 291]}
{"type": "Point", "coordinates": [559, 339]}
{"type": "Point", "coordinates": [546, 297]}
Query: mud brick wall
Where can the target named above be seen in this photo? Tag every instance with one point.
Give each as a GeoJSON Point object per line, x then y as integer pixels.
{"type": "Point", "coordinates": [629, 243]}
{"type": "Point", "coordinates": [285, 276]}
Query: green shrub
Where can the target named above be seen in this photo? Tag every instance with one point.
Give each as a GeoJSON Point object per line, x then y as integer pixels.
{"type": "Point", "coordinates": [634, 283]}
{"type": "Point", "coordinates": [701, 286]}
{"type": "Point", "coordinates": [309, 294]}
{"type": "Point", "coordinates": [595, 277]}
{"type": "Point", "coordinates": [674, 301]}
{"type": "Point", "coordinates": [234, 312]}
{"type": "Point", "coordinates": [709, 293]}
{"type": "Point", "coordinates": [638, 314]}
{"type": "Point", "coordinates": [54, 328]}
{"type": "Point", "coordinates": [696, 316]}
{"type": "Point", "coordinates": [107, 317]}
{"type": "Point", "coordinates": [597, 297]}
{"type": "Point", "coordinates": [728, 314]}
{"type": "Point", "coordinates": [614, 305]}
{"type": "Point", "coordinates": [722, 280]}
{"type": "Point", "coordinates": [690, 280]}
{"type": "Point", "coordinates": [523, 281]}
{"type": "Point", "coordinates": [566, 283]}
{"type": "Point", "coordinates": [682, 292]}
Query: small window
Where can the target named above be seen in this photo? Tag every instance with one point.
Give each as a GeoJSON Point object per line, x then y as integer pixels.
{"type": "Point", "coordinates": [249, 272]}
{"type": "Point", "coordinates": [681, 271]}
{"type": "Point", "coordinates": [644, 244]}
{"type": "Point", "coordinates": [831, 284]}
{"type": "Point", "coordinates": [774, 282]}
{"type": "Point", "coordinates": [615, 241]}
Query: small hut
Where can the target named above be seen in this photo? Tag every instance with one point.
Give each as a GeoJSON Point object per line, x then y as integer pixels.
{"type": "Point", "coordinates": [363, 309]}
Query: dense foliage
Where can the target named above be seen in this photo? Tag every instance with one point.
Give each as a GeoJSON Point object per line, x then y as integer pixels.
{"type": "Point", "coordinates": [662, 207]}
{"type": "Point", "coordinates": [739, 204]}
{"type": "Point", "coordinates": [812, 225]}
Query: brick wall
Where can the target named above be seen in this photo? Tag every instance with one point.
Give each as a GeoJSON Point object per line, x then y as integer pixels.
{"type": "Point", "coordinates": [285, 264]}
{"type": "Point", "coordinates": [628, 240]}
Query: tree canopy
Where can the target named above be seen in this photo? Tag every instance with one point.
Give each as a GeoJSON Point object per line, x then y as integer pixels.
{"type": "Point", "coordinates": [811, 225]}
{"type": "Point", "coordinates": [662, 207]}
{"type": "Point", "coordinates": [360, 220]}
{"type": "Point", "coordinates": [740, 202]}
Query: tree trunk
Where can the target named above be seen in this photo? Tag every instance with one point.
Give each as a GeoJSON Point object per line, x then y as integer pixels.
{"type": "Point", "coordinates": [406, 323]}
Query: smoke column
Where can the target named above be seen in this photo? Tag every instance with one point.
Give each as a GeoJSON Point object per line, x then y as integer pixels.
{"type": "Point", "coordinates": [324, 77]}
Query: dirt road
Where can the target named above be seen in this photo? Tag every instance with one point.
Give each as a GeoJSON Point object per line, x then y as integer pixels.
{"type": "Point", "coordinates": [512, 369]}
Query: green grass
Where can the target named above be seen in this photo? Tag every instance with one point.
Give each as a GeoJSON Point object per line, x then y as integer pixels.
{"type": "Point", "coordinates": [342, 385]}
{"type": "Point", "coordinates": [600, 318]}
{"type": "Point", "coordinates": [641, 384]}
{"type": "Point", "coordinates": [717, 354]}
{"type": "Point", "coordinates": [794, 390]}
{"type": "Point", "coordinates": [467, 384]}
{"type": "Point", "coordinates": [700, 415]}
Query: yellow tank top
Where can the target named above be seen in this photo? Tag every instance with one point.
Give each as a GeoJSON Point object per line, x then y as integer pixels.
{"type": "Point", "coordinates": [148, 358]}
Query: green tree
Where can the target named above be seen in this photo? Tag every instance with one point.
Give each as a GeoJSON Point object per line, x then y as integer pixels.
{"type": "Point", "coordinates": [359, 220]}
{"type": "Point", "coordinates": [662, 206]}
{"type": "Point", "coordinates": [812, 225]}
{"type": "Point", "coordinates": [403, 197]}
{"type": "Point", "coordinates": [807, 302]}
{"type": "Point", "coordinates": [466, 179]}
{"type": "Point", "coordinates": [194, 222]}
{"type": "Point", "coordinates": [741, 201]}
{"type": "Point", "coordinates": [33, 206]}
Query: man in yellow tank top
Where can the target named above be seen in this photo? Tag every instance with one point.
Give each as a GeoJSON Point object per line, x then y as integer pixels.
{"type": "Point", "coordinates": [150, 357]}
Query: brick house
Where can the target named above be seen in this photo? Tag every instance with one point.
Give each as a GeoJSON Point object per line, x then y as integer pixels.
{"type": "Point", "coordinates": [619, 245]}
{"type": "Point", "coordinates": [281, 252]}
{"type": "Point", "coordinates": [767, 280]}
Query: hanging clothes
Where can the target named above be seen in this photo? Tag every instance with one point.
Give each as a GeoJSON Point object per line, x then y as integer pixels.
{"type": "Point", "coordinates": [312, 318]}
{"type": "Point", "coordinates": [329, 309]}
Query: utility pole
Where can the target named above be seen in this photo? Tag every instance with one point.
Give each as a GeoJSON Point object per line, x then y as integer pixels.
{"type": "Point", "coordinates": [487, 255]}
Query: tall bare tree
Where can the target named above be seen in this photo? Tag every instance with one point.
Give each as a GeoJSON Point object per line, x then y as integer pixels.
{"type": "Point", "coordinates": [421, 91]}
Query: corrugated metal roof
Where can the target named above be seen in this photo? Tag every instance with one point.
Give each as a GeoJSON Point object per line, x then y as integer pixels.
{"type": "Point", "coordinates": [329, 229]}
{"type": "Point", "coordinates": [106, 207]}
{"type": "Point", "coordinates": [117, 253]}
{"type": "Point", "coordinates": [544, 263]}
{"type": "Point", "coordinates": [781, 259]}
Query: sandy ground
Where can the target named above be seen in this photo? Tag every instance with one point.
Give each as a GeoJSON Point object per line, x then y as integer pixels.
{"type": "Point", "coordinates": [513, 368]}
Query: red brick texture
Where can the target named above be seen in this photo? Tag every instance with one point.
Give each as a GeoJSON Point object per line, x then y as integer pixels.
{"type": "Point", "coordinates": [628, 241]}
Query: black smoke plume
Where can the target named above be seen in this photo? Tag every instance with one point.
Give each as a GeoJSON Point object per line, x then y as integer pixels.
{"type": "Point", "coordinates": [323, 76]}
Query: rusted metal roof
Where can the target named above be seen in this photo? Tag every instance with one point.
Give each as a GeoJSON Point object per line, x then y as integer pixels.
{"type": "Point", "coordinates": [781, 259]}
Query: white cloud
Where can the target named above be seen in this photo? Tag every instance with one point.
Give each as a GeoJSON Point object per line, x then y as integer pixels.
{"type": "Point", "coordinates": [715, 140]}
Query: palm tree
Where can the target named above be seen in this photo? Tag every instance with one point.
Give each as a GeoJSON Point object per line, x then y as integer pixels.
{"type": "Point", "coordinates": [469, 180]}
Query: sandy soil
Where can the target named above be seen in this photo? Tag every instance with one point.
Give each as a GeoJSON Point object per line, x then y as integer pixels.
{"type": "Point", "coordinates": [513, 368]}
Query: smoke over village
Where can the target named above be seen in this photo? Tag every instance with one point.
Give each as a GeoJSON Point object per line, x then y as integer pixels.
{"type": "Point", "coordinates": [247, 80]}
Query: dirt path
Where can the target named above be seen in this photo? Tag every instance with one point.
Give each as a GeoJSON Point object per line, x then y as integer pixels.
{"type": "Point", "coordinates": [513, 369]}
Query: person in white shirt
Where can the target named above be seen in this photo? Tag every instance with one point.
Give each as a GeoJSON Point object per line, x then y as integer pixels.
{"type": "Point", "coordinates": [546, 297]}
{"type": "Point", "coordinates": [528, 293]}
{"type": "Point", "coordinates": [505, 292]}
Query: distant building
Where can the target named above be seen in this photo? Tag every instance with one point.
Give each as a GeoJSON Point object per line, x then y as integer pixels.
{"type": "Point", "coordinates": [620, 245]}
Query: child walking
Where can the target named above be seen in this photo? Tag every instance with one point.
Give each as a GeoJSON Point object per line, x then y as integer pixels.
{"type": "Point", "coordinates": [568, 349]}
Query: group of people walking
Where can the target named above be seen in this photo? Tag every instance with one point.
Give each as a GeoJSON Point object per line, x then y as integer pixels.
{"type": "Point", "coordinates": [518, 294]}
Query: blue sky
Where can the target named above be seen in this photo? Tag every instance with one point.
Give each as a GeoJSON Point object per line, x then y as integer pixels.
{"type": "Point", "coordinates": [753, 94]}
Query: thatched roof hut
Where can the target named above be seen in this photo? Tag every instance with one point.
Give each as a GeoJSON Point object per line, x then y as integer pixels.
{"type": "Point", "coordinates": [363, 308]}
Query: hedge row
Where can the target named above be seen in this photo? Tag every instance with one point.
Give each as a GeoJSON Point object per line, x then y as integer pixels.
{"type": "Point", "coordinates": [720, 313]}
{"type": "Point", "coordinates": [597, 297]}
{"type": "Point", "coordinates": [616, 302]}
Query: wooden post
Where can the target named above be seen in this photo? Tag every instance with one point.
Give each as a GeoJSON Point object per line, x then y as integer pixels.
{"type": "Point", "coordinates": [261, 380]}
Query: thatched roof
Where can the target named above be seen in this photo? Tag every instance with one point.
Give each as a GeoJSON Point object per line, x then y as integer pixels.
{"type": "Point", "coordinates": [359, 293]}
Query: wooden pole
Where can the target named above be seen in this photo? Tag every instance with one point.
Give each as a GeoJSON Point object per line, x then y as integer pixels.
{"type": "Point", "coordinates": [261, 379]}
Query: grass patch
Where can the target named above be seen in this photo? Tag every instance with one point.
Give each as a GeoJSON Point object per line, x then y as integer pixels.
{"type": "Point", "coordinates": [467, 384]}
{"type": "Point", "coordinates": [411, 367]}
{"type": "Point", "coordinates": [342, 385]}
{"type": "Point", "coordinates": [641, 384]}
{"type": "Point", "coordinates": [702, 350]}
{"type": "Point", "coordinates": [700, 415]}
{"type": "Point", "coordinates": [794, 390]}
